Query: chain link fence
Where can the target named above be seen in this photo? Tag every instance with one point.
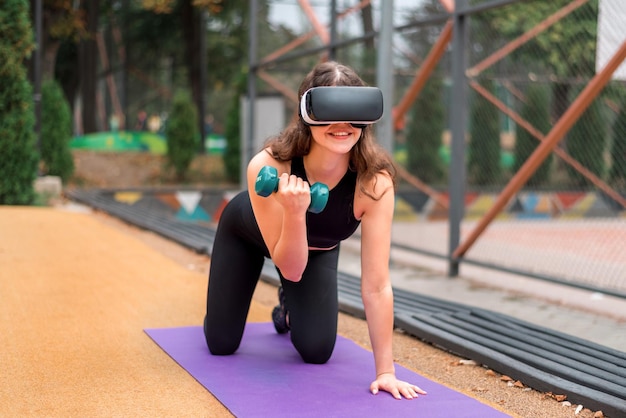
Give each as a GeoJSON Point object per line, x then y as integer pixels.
{"type": "Point", "coordinates": [527, 63]}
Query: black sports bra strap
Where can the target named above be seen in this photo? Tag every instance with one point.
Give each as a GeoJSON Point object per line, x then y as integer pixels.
{"type": "Point", "coordinates": [297, 168]}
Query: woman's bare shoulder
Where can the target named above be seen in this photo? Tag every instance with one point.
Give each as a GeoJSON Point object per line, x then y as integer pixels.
{"type": "Point", "coordinates": [374, 190]}
{"type": "Point", "coordinates": [265, 158]}
{"type": "Point", "coordinates": [379, 184]}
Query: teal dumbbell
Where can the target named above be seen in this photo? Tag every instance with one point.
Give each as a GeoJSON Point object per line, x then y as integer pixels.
{"type": "Point", "coordinates": [267, 183]}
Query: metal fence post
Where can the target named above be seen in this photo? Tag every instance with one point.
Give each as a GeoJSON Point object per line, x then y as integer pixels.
{"type": "Point", "coordinates": [457, 126]}
{"type": "Point", "coordinates": [332, 50]}
{"type": "Point", "coordinates": [384, 73]}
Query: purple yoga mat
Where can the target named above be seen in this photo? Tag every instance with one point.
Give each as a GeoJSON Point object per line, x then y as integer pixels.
{"type": "Point", "coordinates": [267, 378]}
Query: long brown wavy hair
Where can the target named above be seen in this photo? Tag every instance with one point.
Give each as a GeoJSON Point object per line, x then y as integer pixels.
{"type": "Point", "coordinates": [367, 158]}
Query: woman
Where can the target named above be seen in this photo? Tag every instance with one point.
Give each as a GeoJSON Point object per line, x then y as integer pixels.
{"type": "Point", "coordinates": [305, 246]}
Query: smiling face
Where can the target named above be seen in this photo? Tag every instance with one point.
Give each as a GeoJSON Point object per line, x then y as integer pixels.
{"type": "Point", "coordinates": [337, 137]}
{"type": "Point", "coordinates": [300, 138]}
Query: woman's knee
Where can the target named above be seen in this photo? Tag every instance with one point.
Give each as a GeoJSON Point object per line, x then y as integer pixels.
{"type": "Point", "coordinates": [220, 343]}
{"type": "Point", "coordinates": [314, 350]}
{"type": "Point", "coordinates": [221, 348]}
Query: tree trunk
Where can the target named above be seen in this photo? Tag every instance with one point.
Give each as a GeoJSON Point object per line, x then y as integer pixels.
{"type": "Point", "coordinates": [66, 73]}
{"type": "Point", "coordinates": [368, 25]}
{"type": "Point", "coordinates": [369, 58]}
{"type": "Point", "coordinates": [49, 57]}
{"type": "Point", "coordinates": [88, 64]}
{"type": "Point", "coordinates": [191, 33]}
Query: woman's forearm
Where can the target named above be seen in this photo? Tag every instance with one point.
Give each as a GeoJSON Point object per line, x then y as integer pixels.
{"type": "Point", "coordinates": [379, 313]}
{"type": "Point", "coordinates": [291, 252]}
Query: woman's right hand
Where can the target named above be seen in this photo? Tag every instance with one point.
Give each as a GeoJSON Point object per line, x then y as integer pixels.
{"type": "Point", "coordinates": [294, 194]}
{"type": "Point", "coordinates": [281, 216]}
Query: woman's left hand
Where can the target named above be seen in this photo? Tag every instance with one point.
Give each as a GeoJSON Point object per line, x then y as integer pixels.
{"type": "Point", "coordinates": [397, 388]}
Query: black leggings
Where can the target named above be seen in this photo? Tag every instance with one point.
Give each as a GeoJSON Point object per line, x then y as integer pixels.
{"type": "Point", "coordinates": [236, 262]}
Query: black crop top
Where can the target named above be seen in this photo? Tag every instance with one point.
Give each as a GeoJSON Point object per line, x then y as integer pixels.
{"type": "Point", "coordinates": [336, 222]}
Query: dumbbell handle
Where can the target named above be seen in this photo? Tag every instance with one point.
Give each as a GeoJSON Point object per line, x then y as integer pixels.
{"type": "Point", "coordinates": [267, 183]}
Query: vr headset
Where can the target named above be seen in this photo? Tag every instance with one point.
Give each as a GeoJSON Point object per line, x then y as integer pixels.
{"type": "Point", "coordinates": [358, 106]}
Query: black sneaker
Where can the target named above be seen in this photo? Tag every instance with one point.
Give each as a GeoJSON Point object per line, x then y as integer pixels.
{"type": "Point", "coordinates": [279, 314]}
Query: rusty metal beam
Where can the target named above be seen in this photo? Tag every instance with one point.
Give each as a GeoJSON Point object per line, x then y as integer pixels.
{"type": "Point", "coordinates": [309, 35]}
{"type": "Point", "coordinates": [354, 8]}
{"type": "Point", "coordinates": [431, 60]}
{"type": "Point", "coordinates": [288, 47]}
{"type": "Point", "coordinates": [320, 29]}
{"type": "Point", "coordinates": [517, 93]}
{"type": "Point", "coordinates": [283, 89]}
{"type": "Point", "coordinates": [540, 136]}
{"type": "Point", "coordinates": [425, 70]}
{"type": "Point", "coordinates": [448, 5]}
{"type": "Point", "coordinates": [420, 185]}
{"type": "Point", "coordinates": [422, 75]}
{"type": "Point", "coordinates": [566, 121]}
{"type": "Point", "coordinates": [521, 40]}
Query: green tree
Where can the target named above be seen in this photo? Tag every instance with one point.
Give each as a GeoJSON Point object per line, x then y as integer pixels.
{"type": "Point", "coordinates": [617, 175]}
{"type": "Point", "coordinates": [566, 49]}
{"type": "Point", "coordinates": [180, 39]}
{"type": "Point", "coordinates": [424, 133]}
{"type": "Point", "coordinates": [484, 146]}
{"type": "Point", "coordinates": [536, 111]}
{"type": "Point", "coordinates": [156, 52]}
{"type": "Point", "coordinates": [71, 23]}
{"type": "Point", "coordinates": [63, 21]}
{"type": "Point", "coordinates": [56, 131]}
{"type": "Point", "coordinates": [18, 164]}
{"type": "Point", "coordinates": [88, 65]}
{"type": "Point", "coordinates": [587, 142]}
{"type": "Point", "coordinates": [181, 132]}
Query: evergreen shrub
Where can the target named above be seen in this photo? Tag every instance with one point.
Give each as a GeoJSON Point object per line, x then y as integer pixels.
{"type": "Point", "coordinates": [18, 150]}
{"type": "Point", "coordinates": [587, 143]}
{"type": "Point", "coordinates": [182, 134]}
{"type": "Point", "coordinates": [424, 134]}
{"type": "Point", "coordinates": [617, 175]}
{"type": "Point", "coordinates": [536, 111]}
{"type": "Point", "coordinates": [484, 145]}
{"type": "Point", "coordinates": [56, 131]}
